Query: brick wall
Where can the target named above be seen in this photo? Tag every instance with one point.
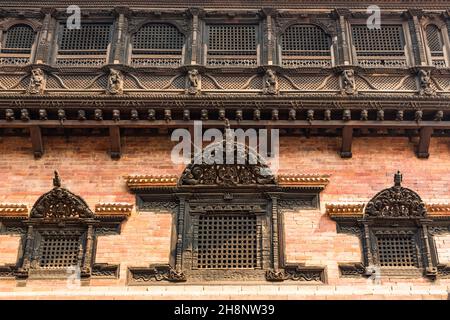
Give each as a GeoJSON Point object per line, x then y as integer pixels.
{"type": "Point", "coordinates": [87, 170]}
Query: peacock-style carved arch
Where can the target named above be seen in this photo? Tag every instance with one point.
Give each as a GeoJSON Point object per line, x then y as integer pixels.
{"type": "Point", "coordinates": [59, 204]}
{"type": "Point", "coordinates": [396, 202]}
{"type": "Point", "coordinates": [247, 167]}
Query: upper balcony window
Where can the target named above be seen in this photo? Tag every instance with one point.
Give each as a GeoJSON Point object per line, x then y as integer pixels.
{"type": "Point", "coordinates": [383, 47]}
{"type": "Point", "coordinates": [305, 46]}
{"type": "Point", "coordinates": [232, 45]}
{"type": "Point", "coordinates": [17, 45]}
{"type": "Point", "coordinates": [435, 44]}
{"type": "Point", "coordinates": [157, 45]}
{"type": "Point", "coordinates": [87, 46]}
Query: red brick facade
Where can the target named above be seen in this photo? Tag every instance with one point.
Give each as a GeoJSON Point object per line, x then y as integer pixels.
{"type": "Point", "coordinates": [311, 237]}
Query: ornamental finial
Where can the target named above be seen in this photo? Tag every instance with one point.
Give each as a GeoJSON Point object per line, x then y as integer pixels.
{"type": "Point", "coordinates": [56, 180]}
{"type": "Point", "coordinates": [398, 177]}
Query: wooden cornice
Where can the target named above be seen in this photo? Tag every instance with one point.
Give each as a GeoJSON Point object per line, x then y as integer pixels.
{"type": "Point", "coordinates": [234, 3]}
{"type": "Point", "coordinates": [141, 182]}
{"type": "Point", "coordinates": [105, 210]}
{"type": "Point", "coordinates": [345, 210]}
{"type": "Point", "coordinates": [438, 210]}
{"type": "Point", "coordinates": [13, 211]}
{"type": "Point", "coordinates": [356, 210]}
{"type": "Point", "coordinates": [303, 180]}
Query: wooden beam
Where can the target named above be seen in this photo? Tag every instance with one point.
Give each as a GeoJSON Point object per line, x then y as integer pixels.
{"type": "Point", "coordinates": [36, 141]}
{"type": "Point", "coordinates": [424, 143]}
{"type": "Point", "coordinates": [346, 146]}
{"type": "Point", "coordinates": [280, 124]}
{"type": "Point", "coordinates": [114, 138]}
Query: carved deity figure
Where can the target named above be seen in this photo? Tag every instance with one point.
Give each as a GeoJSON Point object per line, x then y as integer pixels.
{"type": "Point", "coordinates": [425, 83]}
{"type": "Point", "coordinates": [43, 114]}
{"type": "Point", "coordinates": [270, 82]}
{"type": "Point", "coordinates": [193, 81]}
{"type": "Point", "coordinates": [115, 82]}
{"type": "Point", "coordinates": [222, 114]}
{"type": "Point", "coordinates": [257, 115]}
{"type": "Point", "coordinates": [186, 115]}
{"type": "Point", "coordinates": [292, 114]}
{"type": "Point", "coordinates": [37, 82]}
{"type": "Point", "coordinates": [348, 82]}
{"type": "Point", "coordinates": [364, 115]}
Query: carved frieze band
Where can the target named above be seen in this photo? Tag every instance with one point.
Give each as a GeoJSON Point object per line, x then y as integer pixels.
{"type": "Point", "coordinates": [297, 273]}
{"type": "Point", "coordinates": [154, 273]}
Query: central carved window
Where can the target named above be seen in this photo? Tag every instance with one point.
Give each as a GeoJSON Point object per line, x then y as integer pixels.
{"type": "Point", "coordinates": [227, 242]}
{"type": "Point", "coordinates": [384, 47]}
{"type": "Point", "coordinates": [87, 46]}
{"type": "Point", "coordinates": [305, 46]}
{"type": "Point", "coordinates": [232, 45]}
{"type": "Point", "coordinates": [17, 45]}
{"type": "Point", "coordinates": [157, 45]}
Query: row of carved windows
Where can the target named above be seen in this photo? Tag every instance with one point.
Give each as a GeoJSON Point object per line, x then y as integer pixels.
{"type": "Point", "coordinates": [162, 44]}
{"type": "Point", "coordinates": [224, 227]}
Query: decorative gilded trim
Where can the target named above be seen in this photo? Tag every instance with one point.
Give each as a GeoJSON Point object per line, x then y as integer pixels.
{"type": "Point", "coordinates": [148, 181]}
{"type": "Point", "coordinates": [438, 209]}
{"type": "Point", "coordinates": [116, 209]}
{"type": "Point", "coordinates": [13, 211]}
{"type": "Point", "coordinates": [345, 210]}
{"type": "Point", "coordinates": [303, 180]}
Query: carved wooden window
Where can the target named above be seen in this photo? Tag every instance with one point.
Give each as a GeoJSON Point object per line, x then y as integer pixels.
{"type": "Point", "coordinates": [227, 219]}
{"type": "Point", "coordinates": [157, 45]}
{"type": "Point", "coordinates": [17, 45]}
{"type": "Point", "coordinates": [232, 45]}
{"type": "Point", "coordinates": [227, 242]}
{"type": "Point", "coordinates": [435, 44]}
{"type": "Point", "coordinates": [59, 237]}
{"type": "Point", "coordinates": [87, 46]}
{"type": "Point", "coordinates": [396, 235]}
{"type": "Point", "coordinates": [384, 47]}
{"type": "Point", "coordinates": [304, 45]}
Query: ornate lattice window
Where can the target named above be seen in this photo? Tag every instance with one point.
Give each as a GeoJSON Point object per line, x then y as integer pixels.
{"type": "Point", "coordinates": [435, 44]}
{"type": "Point", "coordinates": [396, 235]}
{"type": "Point", "coordinates": [304, 45]}
{"type": "Point", "coordinates": [59, 237]}
{"type": "Point", "coordinates": [384, 47]}
{"type": "Point", "coordinates": [232, 45]}
{"type": "Point", "coordinates": [157, 45]}
{"type": "Point", "coordinates": [17, 45]}
{"type": "Point", "coordinates": [86, 46]}
{"type": "Point", "coordinates": [227, 225]}
{"type": "Point", "coordinates": [227, 242]}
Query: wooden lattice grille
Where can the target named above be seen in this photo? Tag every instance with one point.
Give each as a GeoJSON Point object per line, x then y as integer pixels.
{"type": "Point", "coordinates": [305, 45]}
{"type": "Point", "coordinates": [59, 252]}
{"type": "Point", "coordinates": [435, 42]}
{"type": "Point", "coordinates": [232, 45]}
{"type": "Point", "coordinates": [383, 47]}
{"type": "Point", "coordinates": [397, 251]}
{"type": "Point", "coordinates": [19, 39]}
{"type": "Point", "coordinates": [305, 40]}
{"type": "Point", "coordinates": [85, 47]}
{"type": "Point", "coordinates": [157, 45]}
{"type": "Point", "coordinates": [227, 242]}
